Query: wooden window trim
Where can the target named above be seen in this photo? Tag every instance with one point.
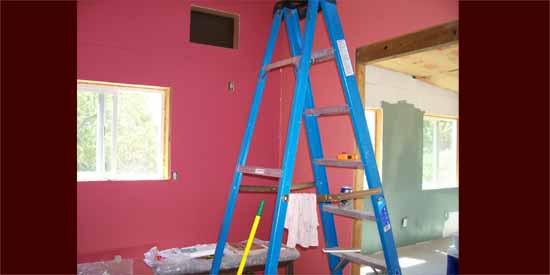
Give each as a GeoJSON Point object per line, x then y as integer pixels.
{"type": "Point", "coordinates": [359, 176]}
{"type": "Point", "coordinates": [166, 91]}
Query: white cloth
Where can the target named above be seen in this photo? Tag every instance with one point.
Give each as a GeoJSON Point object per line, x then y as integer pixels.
{"type": "Point", "coordinates": [301, 220]}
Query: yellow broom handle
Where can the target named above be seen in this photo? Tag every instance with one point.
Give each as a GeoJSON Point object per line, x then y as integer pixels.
{"type": "Point", "coordinates": [251, 237]}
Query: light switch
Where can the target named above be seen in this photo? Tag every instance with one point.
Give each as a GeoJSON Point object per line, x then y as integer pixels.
{"type": "Point", "coordinates": [404, 222]}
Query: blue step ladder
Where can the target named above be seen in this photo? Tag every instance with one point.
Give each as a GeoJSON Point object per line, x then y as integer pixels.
{"type": "Point", "coordinates": [303, 106]}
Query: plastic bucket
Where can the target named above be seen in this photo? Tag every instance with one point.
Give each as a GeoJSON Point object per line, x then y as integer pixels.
{"type": "Point", "coordinates": [452, 261]}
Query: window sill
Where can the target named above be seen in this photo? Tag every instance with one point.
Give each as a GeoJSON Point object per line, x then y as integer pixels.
{"type": "Point", "coordinates": [437, 187]}
{"type": "Point", "coordinates": [122, 180]}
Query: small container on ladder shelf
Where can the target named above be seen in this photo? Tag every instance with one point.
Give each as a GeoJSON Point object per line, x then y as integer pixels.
{"type": "Point", "coordinates": [345, 203]}
{"type": "Point", "coordinates": [346, 156]}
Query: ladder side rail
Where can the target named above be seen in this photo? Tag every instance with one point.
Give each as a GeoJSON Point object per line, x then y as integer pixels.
{"type": "Point", "coordinates": [291, 145]}
{"type": "Point", "coordinates": [314, 142]}
{"type": "Point", "coordinates": [253, 114]}
{"type": "Point", "coordinates": [351, 93]}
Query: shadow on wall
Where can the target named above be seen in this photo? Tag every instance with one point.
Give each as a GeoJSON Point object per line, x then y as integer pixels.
{"type": "Point", "coordinates": [426, 211]}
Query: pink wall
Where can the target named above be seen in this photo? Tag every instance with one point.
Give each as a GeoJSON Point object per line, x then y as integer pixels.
{"type": "Point", "coordinates": [146, 42]}
{"type": "Point", "coordinates": [363, 22]}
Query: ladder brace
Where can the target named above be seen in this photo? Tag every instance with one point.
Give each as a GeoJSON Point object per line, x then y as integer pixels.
{"type": "Point", "coordinates": [347, 196]}
{"type": "Point", "coordinates": [274, 189]}
{"type": "Point", "coordinates": [316, 57]}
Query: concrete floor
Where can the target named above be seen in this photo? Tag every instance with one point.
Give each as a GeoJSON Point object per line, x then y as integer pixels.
{"type": "Point", "coordinates": [425, 258]}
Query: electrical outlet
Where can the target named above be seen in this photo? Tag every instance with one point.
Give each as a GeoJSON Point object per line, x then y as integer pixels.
{"type": "Point", "coordinates": [404, 222]}
{"type": "Point", "coordinates": [174, 175]}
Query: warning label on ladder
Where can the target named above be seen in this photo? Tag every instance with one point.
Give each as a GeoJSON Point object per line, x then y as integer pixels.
{"type": "Point", "coordinates": [384, 215]}
{"type": "Point", "coordinates": [344, 55]}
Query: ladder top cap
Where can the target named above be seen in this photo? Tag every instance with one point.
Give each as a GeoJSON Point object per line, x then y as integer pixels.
{"type": "Point", "coordinates": [300, 5]}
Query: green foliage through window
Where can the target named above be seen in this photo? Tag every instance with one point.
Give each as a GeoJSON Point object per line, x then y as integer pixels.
{"type": "Point", "coordinates": [86, 131]}
{"type": "Point", "coordinates": [439, 159]}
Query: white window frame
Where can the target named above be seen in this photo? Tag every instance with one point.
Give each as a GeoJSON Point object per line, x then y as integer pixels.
{"type": "Point", "coordinates": [103, 88]}
{"type": "Point", "coordinates": [434, 184]}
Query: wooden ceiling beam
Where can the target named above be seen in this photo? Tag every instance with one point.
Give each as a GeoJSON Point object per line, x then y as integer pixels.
{"type": "Point", "coordinates": [437, 36]}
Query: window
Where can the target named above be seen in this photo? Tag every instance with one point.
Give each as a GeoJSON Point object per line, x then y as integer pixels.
{"type": "Point", "coordinates": [213, 27]}
{"type": "Point", "coordinates": [122, 131]}
{"type": "Point", "coordinates": [440, 154]}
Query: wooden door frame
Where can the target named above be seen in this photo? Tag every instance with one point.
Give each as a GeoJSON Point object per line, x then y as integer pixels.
{"type": "Point", "coordinates": [423, 40]}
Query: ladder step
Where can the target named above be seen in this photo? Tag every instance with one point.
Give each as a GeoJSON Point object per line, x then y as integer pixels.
{"type": "Point", "coordinates": [261, 171]}
{"type": "Point", "coordinates": [273, 189]}
{"type": "Point", "coordinates": [282, 63]}
{"type": "Point", "coordinates": [340, 250]}
{"type": "Point", "coordinates": [362, 259]}
{"type": "Point", "coordinates": [348, 196]}
{"type": "Point", "coordinates": [350, 213]}
{"type": "Point", "coordinates": [316, 57]}
{"type": "Point", "coordinates": [340, 163]}
{"type": "Point", "coordinates": [328, 111]}
{"type": "Point", "coordinates": [322, 55]}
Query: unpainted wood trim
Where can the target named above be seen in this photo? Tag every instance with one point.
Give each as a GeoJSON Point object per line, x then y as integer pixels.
{"type": "Point", "coordinates": [358, 174]}
{"type": "Point", "coordinates": [423, 79]}
{"type": "Point", "coordinates": [167, 133]}
{"type": "Point", "coordinates": [116, 84]}
{"type": "Point", "coordinates": [214, 11]}
{"type": "Point", "coordinates": [441, 116]}
{"type": "Point", "coordinates": [437, 36]}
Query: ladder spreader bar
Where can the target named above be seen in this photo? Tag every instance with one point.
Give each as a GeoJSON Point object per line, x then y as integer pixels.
{"type": "Point", "coordinates": [316, 57]}
{"type": "Point", "coordinates": [350, 213]}
{"type": "Point", "coordinates": [261, 171]}
{"type": "Point", "coordinates": [347, 196]}
{"type": "Point", "coordinates": [327, 111]}
{"type": "Point", "coordinates": [340, 163]}
{"type": "Point", "coordinates": [273, 189]}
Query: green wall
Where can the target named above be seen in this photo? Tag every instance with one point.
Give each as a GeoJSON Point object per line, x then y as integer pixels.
{"type": "Point", "coordinates": [402, 182]}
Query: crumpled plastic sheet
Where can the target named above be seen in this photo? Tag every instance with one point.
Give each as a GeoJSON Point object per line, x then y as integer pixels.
{"type": "Point", "coordinates": [186, 265]}
{"type": "Point", "coordinates": [121, 267]}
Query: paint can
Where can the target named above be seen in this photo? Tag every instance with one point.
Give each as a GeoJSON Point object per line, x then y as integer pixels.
{"type": "Point", "coordinates": [345, 203]}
